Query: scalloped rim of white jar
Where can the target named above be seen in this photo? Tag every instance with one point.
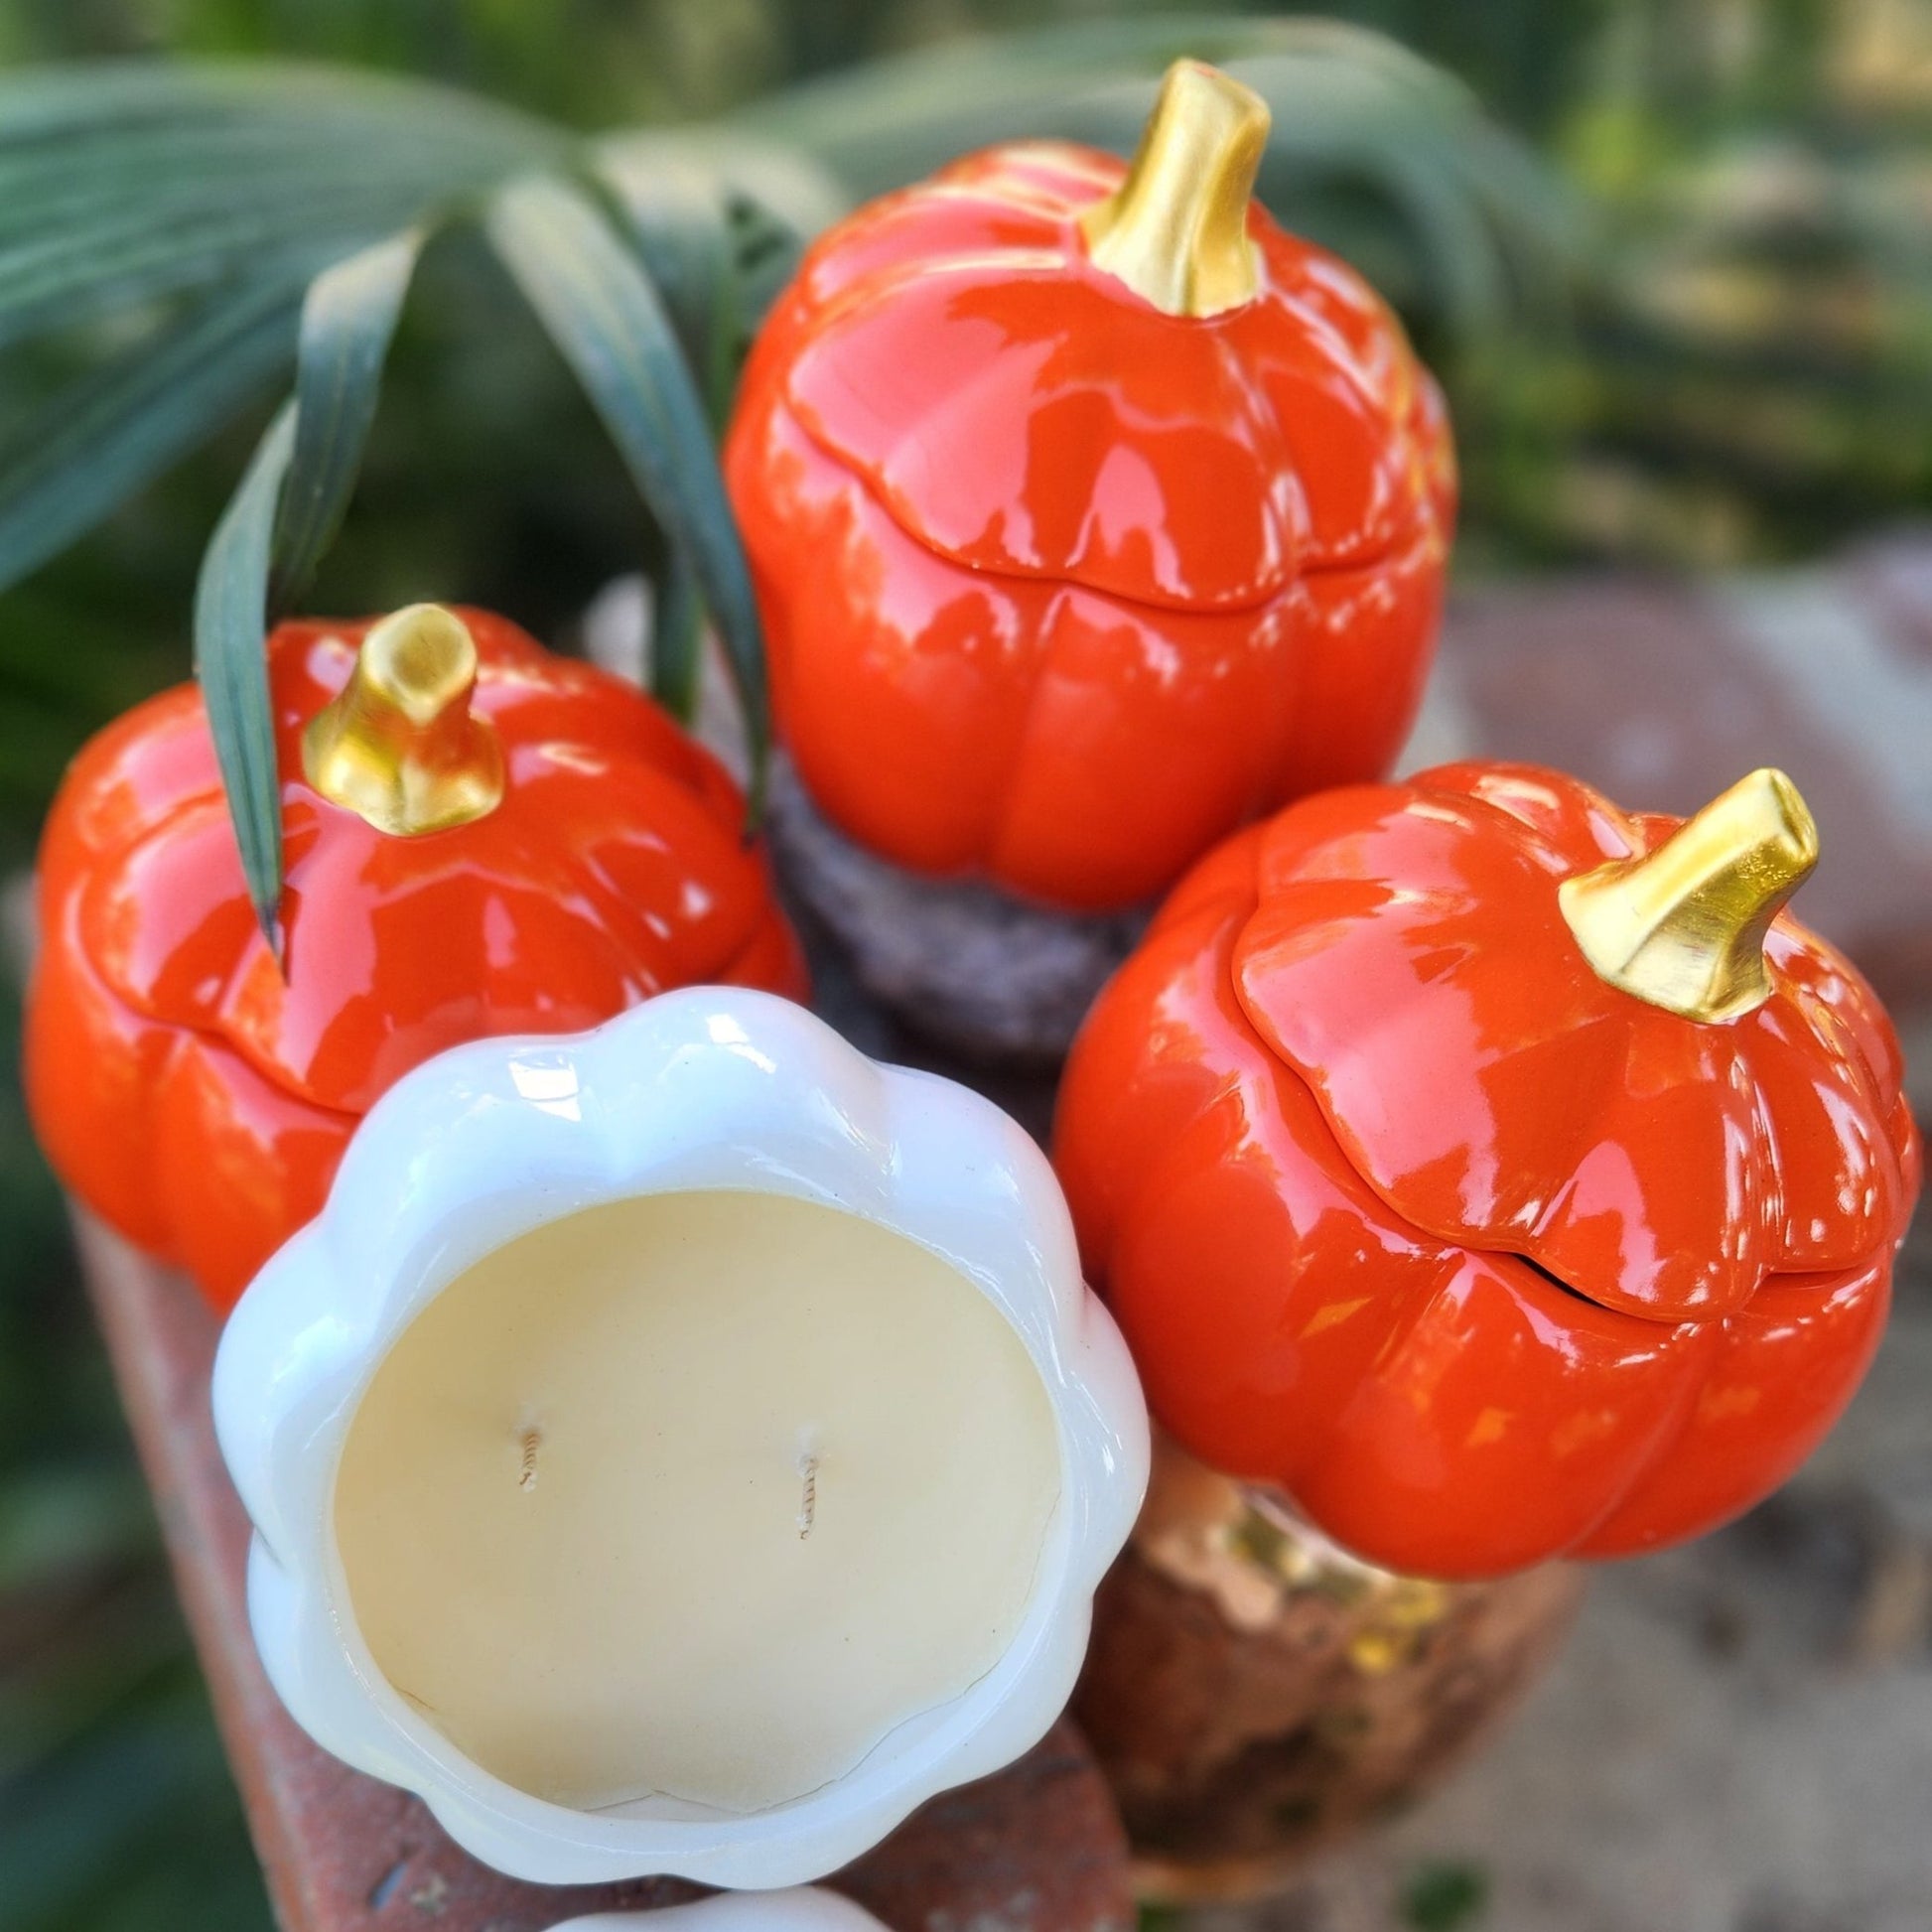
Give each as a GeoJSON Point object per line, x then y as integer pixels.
{"type": "Point", "coordinates": [806, 1909]}
{"type": "Point", "coordinates": [706, 1088]}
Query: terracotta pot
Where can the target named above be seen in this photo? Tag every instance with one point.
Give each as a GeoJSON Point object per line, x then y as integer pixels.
{"type": "Point", "coordinates": [1253, 1692]}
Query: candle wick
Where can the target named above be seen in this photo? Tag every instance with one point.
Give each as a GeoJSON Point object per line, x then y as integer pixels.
{"type": "Point", "coordinates": [809, 1469]}
{"type": "Point", "coordinates": [528, 1479]}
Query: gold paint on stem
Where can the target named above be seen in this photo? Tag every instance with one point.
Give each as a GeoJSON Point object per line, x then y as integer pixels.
{"type": "Point", "coordinates": [398, 744]}
{"type": "Point", "coordinates": [1177, 229]}
{"type": "Point", "coordinates": [1683, 927]}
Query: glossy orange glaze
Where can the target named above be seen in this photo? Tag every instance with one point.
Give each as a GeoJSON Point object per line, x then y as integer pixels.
{"type": "Point", "coordinates": [1481, 1259]}
{"type": "Point", "coordinates": [199, 1101]}
{"type": "Point", "coordinates": [1058, 588]}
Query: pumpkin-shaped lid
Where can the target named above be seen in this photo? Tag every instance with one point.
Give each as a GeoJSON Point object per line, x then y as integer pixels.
{"type": "Point", "coordinates": [1132, 379]}
{"type": "Point", "coordinates": [480, 837]}
{"type": "Point", "coordinates": [1539, 1025]}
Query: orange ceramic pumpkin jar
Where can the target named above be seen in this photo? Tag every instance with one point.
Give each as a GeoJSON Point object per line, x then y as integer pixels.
{"type": "Point", "coordinates": [1494, 1173]}
{"type": "Point", "coordinates": [481, 838]}
{"type": "Point", "coordinates": [1091, 513]}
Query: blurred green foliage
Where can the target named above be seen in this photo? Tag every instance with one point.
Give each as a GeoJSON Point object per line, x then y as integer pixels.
{"type": "Point", "coordinates": [1745, 374]}
{"type": "Point", "coordinates": [160, 222]}
{"type": "Point", "coordinates": [1743, 370]}
{"type": "Point", "coordinates": [602, 63]}
{"type": "Point", "coordinates": [1444, 1898]}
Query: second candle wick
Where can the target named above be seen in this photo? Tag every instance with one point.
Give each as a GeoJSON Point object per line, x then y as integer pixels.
{"type": "Point", "coordinates": [808, 1505]}
{"type": "Point", "coordinates": [528, 1479]}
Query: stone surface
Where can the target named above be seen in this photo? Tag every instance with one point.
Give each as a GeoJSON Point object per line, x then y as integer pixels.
{"type": "Point", "coordinates": [967, 966]}
{"type": "Point", "coordinates": [1037, 1848]}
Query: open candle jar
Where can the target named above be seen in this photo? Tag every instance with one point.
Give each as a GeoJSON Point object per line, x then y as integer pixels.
{"type": "Point", "coordinates": [679, 1448]}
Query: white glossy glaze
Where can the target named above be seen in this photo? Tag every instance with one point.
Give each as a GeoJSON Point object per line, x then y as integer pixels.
{"type": "Point", "coordinates": [805, 1909]}
{"type": "Point", "coordinates": [706, 1088]}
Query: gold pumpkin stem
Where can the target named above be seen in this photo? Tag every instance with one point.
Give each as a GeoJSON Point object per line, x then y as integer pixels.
{"type": "Point", "coordinates": [1683, 927]}
{"type": "Point", "coordinates": [1177, 229]}
{"type": "Point", "coordinates": [399, 745]}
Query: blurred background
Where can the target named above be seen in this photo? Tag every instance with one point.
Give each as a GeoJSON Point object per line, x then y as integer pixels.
{"type": "Point", "coordinates": [1681, 297]}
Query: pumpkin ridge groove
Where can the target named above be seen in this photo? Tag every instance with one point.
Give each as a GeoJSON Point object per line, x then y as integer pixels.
{"type": "Point", "coordinates": [1419, 524]}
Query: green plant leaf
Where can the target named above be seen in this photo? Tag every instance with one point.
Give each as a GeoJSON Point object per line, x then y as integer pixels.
{"type": "Point", "coordinates": [123, 184]}
{"type": "Point", "coordinates": [66, 127]}
{"type": "Point", "coordinates": [594, 296]}
{"type": "Point", "coordinates": [1445, 1896]}
{"type": "Point", "coordinates": [721, 227]}
{"type": "Point", "coordinates": [117, 185]}
{"type": "Point", "coordinates": [99, 440]}
{"type": "Point", "coordinates": [892, 120]}
{"type": "Point", "coordinates": [676, 639]}
{"type": "Point", "coordinates": [230, 630]}
{"type": "Point", "coordinates": [349, 320]}
{"type": "Point", "coordinates": [674, 208]}
{"type": "Point", "coordinates": [1351, 108]}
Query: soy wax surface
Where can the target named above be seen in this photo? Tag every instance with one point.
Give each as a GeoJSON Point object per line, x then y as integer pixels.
{"type": "Point", "coordinates": [696, 1494]}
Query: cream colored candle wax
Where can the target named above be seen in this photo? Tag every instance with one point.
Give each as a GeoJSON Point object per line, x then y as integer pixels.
{"type": "Point", "coordinates": [696, 1494]}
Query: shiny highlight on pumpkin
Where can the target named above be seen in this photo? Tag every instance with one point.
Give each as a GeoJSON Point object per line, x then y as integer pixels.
{"type": "Point", "coordinates": [1175, 231]}
{"type": "Point", "coordinates": [1683, 927]}
{"type": "Point", "coordinates": [399, 745]}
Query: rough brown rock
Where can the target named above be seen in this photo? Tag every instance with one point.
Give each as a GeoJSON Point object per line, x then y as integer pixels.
{"type": "Point", "coordinates": [961, 962]}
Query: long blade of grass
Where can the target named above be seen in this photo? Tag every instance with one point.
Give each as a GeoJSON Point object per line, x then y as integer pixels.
{"type": "Point", "coordinates": [593, 295]}
{"type": "Point", "coordinates": [721, 226]}
{"type": "Point", "coordinates": [1351, 109]}
{"type": "Point", "coordinates": [230, 629]}
{"type": "Point", "coordinates": [677, 221]}
{"type": "Point", "coordinates": [64, 128]}
{"type": "Point", "coordinates": [676, 639]}
{"type": "Point", "coordinates": [100, 439]}
{"type": "Point", "coordinates": [50, 285]}
{"type": "Point", "coordinates": [119, 184]}
{"type": "Point", "coordinates": [349, 320]}
{"type": "Point", "coordinates": [896, 119]}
